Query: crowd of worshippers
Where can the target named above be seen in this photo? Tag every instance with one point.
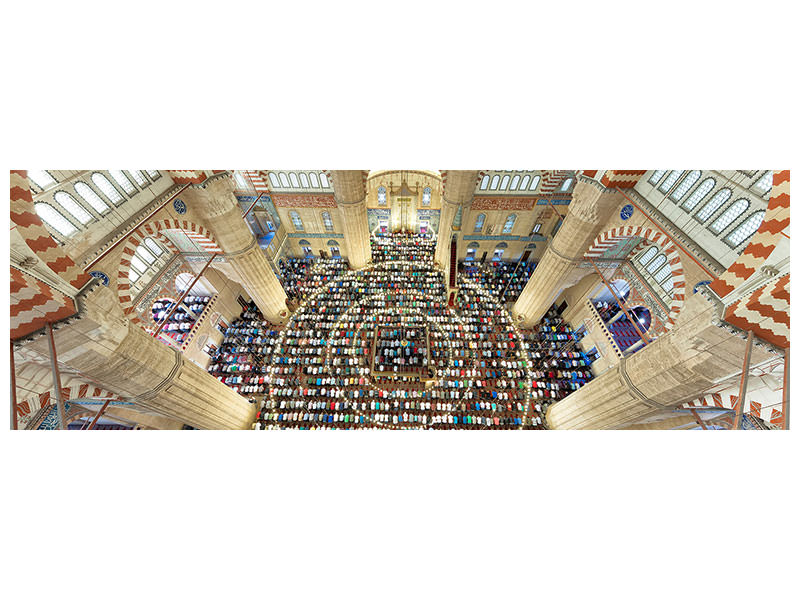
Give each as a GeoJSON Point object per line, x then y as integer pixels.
{"type": "Point", "coordinates": [303, 276]}
{"type": "Point", "coordinates": [560, 365]}
{"type": "Point", "coordinates": [240, 360]}
{"type": "Point", "coordinates": [401, 349]}
{"type": "Point", "coordinates": [293, 270]}
{"type": "Point", "coordinates": [319, 372]}
{"type": "Point", "coordinates": [506, 280]}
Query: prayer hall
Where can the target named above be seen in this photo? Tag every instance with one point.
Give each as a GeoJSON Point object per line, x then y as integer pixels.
{"type": "Point", "coordinates": [314, 299]}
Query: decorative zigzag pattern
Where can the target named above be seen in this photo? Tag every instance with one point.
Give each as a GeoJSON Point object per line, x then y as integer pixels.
{"type": "Point", "coordinates": [183, 177]}
{"type": "Point", "coordinates": [156, 228]}
{"type": "Point", "coordinates": [551, 180]}
{"type": "Point", "coordinates": [763, 242]}
{"type": "Point", "coordinates": [34, 304]}
{"type": "Point", "coordinates": [613, 237]}
{"type": "Point", "coordinates": [621, 179]}
{"type": "Point", "coordinates": [765, 311]}
{"type": "Point", "coordinates": [36, 235]}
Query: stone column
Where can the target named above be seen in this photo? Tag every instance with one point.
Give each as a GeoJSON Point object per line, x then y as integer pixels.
{"type": "Point", "coordinates": [458, 189]}
{"type": "Point", "coordinates": [586, 215]}
{"type": "Point", "coordinates": [108, 348]}
{"type": "Point", "coordinates": [679, 366]}
{"type": "Point", "coordinates": [351, 199]}
{"type": "Point", "coordinates": [224, 219]}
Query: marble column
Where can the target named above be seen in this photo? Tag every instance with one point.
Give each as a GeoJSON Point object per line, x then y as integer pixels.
{"type": "Point", "coordinates": [587, 213]}
{"type": "Point", "coordinates": [458, 189]}
{"type": "Point", "coordinates": [106, 347]}
{"type": "Point", "coordinates": [351, 199]}
{"type": "Point", "coordinates": [224, 219]}
{"type": "Point", "coordinates": [679, 366]}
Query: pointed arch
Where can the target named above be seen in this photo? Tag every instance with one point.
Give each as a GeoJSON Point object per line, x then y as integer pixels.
{"type": "Point", "coordinates": [156, 229]}
{"type": "Point", "coordinates": [609, 240]}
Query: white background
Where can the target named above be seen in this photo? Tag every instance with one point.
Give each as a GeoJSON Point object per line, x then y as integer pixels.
{"type": "Point", "coordinates": [385, 514]}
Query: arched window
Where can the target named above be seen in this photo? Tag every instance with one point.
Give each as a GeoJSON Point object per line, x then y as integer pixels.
{"type": "Point", "coordinates": [304, 180]}
{"type": "Point", "coordinates": [479, 222]}
{"type": "Point", "coordinates": [746, 229]}
{"type": "Point", "coordinates": [426, 197]}
{"type": "Point", "coordinates": [382, 196]}
{"type": "Point", "coordinates": [504, 183]}
{"type": "Point", "coordinates": [138, 264]}
{"type": "Point", "coordinates": [656, 176]}
{"type": "Point", "coordinates": [700, 192]}
{"type": "Point", "coordinates": [525, 181]}
{"type": "Point", "coordinates": [670, 180]}
{"type": "Point", "coordinates": [495, 182]}
{"type": "Point", "coordinates": [296, 220]}
{"type": "Point", "coordinates": [91, 198]}
{"type": "Point", "coordinates": [485, 182]}
{"type": "Point", "coordinates": [273, 179]}
{"type": "Point", "coordinates": [535, 182]}
{"type": "Point", "coordinates": [567, 184]}
{"type": "Point", "coordinates": [733, 212]}
{"type": "Point", "coordinates": [123, 182]}
{"type": "Point", "coordinates": [153, 174]}
{"type": "Point", "coordinates": [240, 181]}
{"type": "Point", "coordinates": [42, 178]}
{"type": "Point", "coordinates": [68, 203]}
{"type": "Point", "coordinates": [145, 254]}
{"type": "Point", "coordinates": [293, 179]}
{"type": "Point", "coordinates": [510, 220]}
{"type": "Point", "coordinates": [323, 179]}
{"type": "Point", "coordinates": [314, 180]}
{"type": "Point", "coordinates": [108, 190]}
{"type": "Point", "coordinates": [656, 264]}
{"type": "Point", "coordinates": [138, 177]}
{"type": "Point", "coordinates": [765, 183]}
{"type": "Point", "coordinates": [284, 180]}
{"type": "Point", "coordinates": [663, 273]}
{"type": "Point", "coordinates": [667, 285]}
{"type": "Point", "coordinates": [514, 183]}
{"type": "Point", "coordinates": [648, 255]}
{"type": "Point", "coordinates": [327, 221]}
{"type": "Point", "coordinates": [720, 198]}
{"type": "Point", "coordinates": [54, 219]}
{"type": "Point", "coordinates": [153, 246]}
{"type": "Point", "coordinates": [686, 185]}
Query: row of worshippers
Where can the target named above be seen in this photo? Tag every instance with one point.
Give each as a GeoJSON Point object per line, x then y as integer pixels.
{"type": "Point", "coordinates": [402, 247]}
{"type": "Point", "coordinates": [504, 279]}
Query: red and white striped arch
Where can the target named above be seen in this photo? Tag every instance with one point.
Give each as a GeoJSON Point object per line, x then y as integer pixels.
{"type": "Point", "coordinates": [612, 238]}
{"type": "Point", "coordinates": [195, 232]}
